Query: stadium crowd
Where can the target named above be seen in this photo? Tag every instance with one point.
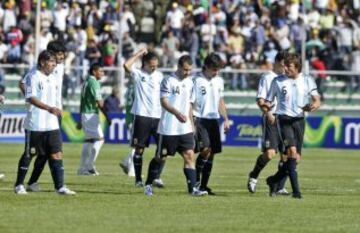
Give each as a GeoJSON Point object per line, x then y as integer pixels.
{"type": "Point", "coordinates": [245, 33]}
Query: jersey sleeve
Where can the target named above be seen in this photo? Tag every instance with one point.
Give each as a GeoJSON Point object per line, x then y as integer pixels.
{"type": "Point", "coordinates": [136, 74]}
{"type": "Point", "coordinates": [221, 88]}
{"type": "Point", "coordinates": [95, 90]}
{"type": "Point", "coordinates": [262, 90]}
{"type": "Point", "coordinates": [312, 88]}
{"type": "Point", "coordinates": [32, 85]}
{"type": "Point", "coordinates": [165, 88]}
{"type": "Point", "coordinates": [192, 94]}
{"type": "Point", "coordinates": [272, 91]}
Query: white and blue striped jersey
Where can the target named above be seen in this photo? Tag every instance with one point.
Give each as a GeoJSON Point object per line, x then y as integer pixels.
{"type": "Point", "coordinates": [208, 93]}
{"type": "Point", "coordinates": [180, 95]}
{"type": "Point", "coordinates": [42, 87]}
{"type": "Point", "coordinates": [59, 76]}
{"type": "Point", "coordinates": [147, 93]}
{"type": "Point", "coordinates": [264, 87]}
{"type": "Point", "coordinates": [292, 94]}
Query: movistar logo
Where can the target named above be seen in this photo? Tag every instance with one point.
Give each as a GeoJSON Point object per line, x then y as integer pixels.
{"type": "Point", "coordinates": [316, 137]}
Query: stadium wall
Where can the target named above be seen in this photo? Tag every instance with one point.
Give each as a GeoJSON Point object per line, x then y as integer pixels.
{"type": "Point", "coordinates": [326, 132]}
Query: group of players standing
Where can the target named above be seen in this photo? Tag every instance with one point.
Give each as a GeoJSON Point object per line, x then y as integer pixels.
{"type": "Point", "coordinates": [180, 111]}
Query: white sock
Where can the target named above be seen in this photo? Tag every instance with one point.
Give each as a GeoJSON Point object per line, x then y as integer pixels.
{"type": "Point", "coordinates": [94, 152]}
{"type": "Point", "coordinates": [85, 155]}
{"type": "Point", "coordinates": [130, 162]}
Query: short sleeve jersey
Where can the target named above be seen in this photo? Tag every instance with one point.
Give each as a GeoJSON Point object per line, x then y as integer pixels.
{"type": "Point", "coordinates": [90, 93]}
{"type": "Point", "coordinates": [180, 95]}
{"type": "Point", "coordinates": [292, 94]}
{"type": "Point", "coordinates": [264, 87]}
{"type": "Point", "coordinates": [208, 93]}
{"type": "Point", "coordinates": [147, 93]}
{"type": "Point", "coordinates": [41, 87]}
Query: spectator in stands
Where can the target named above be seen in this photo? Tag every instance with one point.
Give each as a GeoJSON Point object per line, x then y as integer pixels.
{"type": "Point", "coordinates": [112, 103]}
{"type": "Point", "coordinates": [174, 19]}
{"type": "Point", "coordinates": [170, 46]}
{"type": "Point", "coordinates": [92, 53]}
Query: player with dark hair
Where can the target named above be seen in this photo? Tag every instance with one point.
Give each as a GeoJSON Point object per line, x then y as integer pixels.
{"type": "Point", "coordinates": [176, 127]}
{"type": "Point", "coordinates": [271, 142]}
{"type": "Point", "coordinates": [146, 107]}
{"type": "Point", "coordinates": [42, 130]}
{"type": "Point", "coordinates": [208, 106]}
{"type": "Point", "coordinates": [296, 93]}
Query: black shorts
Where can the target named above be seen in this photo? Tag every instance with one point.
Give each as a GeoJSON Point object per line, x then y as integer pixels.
{"type": "Point", "coordinates": [207, 135]}
{"type": "Point", "coordinates": [143, 128]}
{"type": "Point", "coordinates": [271, 137]}
{"type": "Point", "coordinates": [292, 131]}
{"type": "Point", "coordinates": [170, 144]}
{"type": "Point", "coordinates": [42, 143]}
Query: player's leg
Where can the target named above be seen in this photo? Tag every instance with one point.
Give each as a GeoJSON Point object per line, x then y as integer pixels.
{"type": "Point", "coordinates": [202, 145]}
{"type": "Point", "coordinates": [32, 140]}
{"type": "Point", "coordinates": [54, 149]}
{"type": "Point", "coordinates": [39, 165]}
{"type": "Point", "coordinates": [87, 145]}
{"type": "Point", "coordinates": [157, 182]}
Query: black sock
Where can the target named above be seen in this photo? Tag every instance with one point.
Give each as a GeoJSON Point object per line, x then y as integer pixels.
{"type": "Point", "coordinates": [283, 179]}
{"type": "Point", "coordinates": [200, 162]}
{"type": "Point", "coordinates": [293, 175]}
{"type": "Point", "coordinates": [23, 167]}
{"type": "Point", "coordinates": [39, 165]}
{"type": "Point", "coordinates": [206, 174]}
{"type": "Point", "coordinates": [281, 173]}
{"type": "Point", "coordinates": [190, 175]}
{"type": "Point", "coordinates": [154, 169]}
{"type": "Point", "coordinates": [162, 164]}
{"type": "Point", "coordinates": [259, 165]}
{"type": "Point", "coordinates": [57, 172]}
{"type": "Point", "coordinates": [137, 160]}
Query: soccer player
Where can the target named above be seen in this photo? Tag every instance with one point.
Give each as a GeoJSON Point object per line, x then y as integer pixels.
{"type": "Point", "coordinates": [59, 49]}
{"type": "Point", "coordinates": [2, 99]}
{"type": "Point", "coordinates": [42, 133]}
{"type": "Point", "coordinates": [146, 107]}
{"type": "Point", "coordinates": [127, 163]}
{"type": "Point", "coordinates": [90, 104]}
{"type": "Point", "coordinates": [209, 102]}
{"type": "Point", "coordinates": [271, 140]}
{"type": "Point", "coordinates": [296, 93]}
{"type": "Point", "coordinates": [176, 127]}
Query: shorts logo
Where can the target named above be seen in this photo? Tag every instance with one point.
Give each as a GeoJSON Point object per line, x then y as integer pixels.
{"type": "Point", "coordinates": [286, 143]}
{"type": "Point", "coordinates": [267, 143]}
{"type": "Point", "coordinates": [201, 144]}
{"type": "Point", "coordinates": [135, 141]}
{"type": "Point", "coordinates": [32, 150]}
{"type": "Point", "coordinates": [164, 151]}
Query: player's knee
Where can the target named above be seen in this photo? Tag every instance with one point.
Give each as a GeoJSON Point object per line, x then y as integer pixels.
{"type": "Point", "coordinates": [205, 152]}
{"type": "Point", "coordinates": [291, 152]}
{"type": "Point", "coordinates": [139, 150]}
{"type": "Point", "coordinates": [57, 156]}
{"type": "Point", "coordinates": [269, 154]}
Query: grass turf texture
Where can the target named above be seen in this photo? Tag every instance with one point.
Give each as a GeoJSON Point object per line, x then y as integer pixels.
{"type": "Point", "coordinates": [329, 179]}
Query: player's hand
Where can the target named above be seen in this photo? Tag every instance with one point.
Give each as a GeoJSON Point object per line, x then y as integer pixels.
{"type": "Point", "coordinates": [270, 118]}
{"type": "Point", "coordinates": [181, 117]}
{"type": "Point", "coordinates": [2, 99]}
{"type": "Point", "coordinates": [55, 111]}
{"type": "Point", "coordinates": [143, 51]}
{"type": "Point", "coordinates": [79, 125]}
{"type": "Point", "coordinates": [309, 108]}
{"type": "Point", "coordinates": [226, 126]}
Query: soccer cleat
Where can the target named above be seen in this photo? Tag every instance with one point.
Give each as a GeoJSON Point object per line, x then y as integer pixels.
{"type": "Point", "coordinates": [20, 189]}
{"type": "Point", "coordinates": [251, 185]}
{"type": "Point", "coordinates": [124, 167]}
{"type": "Point", "coordinates": [65, 191]}
{"type": "Point", "coordinates": [34, 187]}
{"type": "Point", "coordinates": [93, 172]}
{"type": "Point", "coordinates": [2, 176]}
{"type": "Point", "coordinates": [139, 184]}
{"type": "Point", "coordinates": [158, 183]}
{"type": "Point", "coordinates": [81, 172]}
{"type": "Point", "coordinates": [197, 192]}
{"type": "Point", "coordinates": [148, 190]}
{"type": "Point", "coordinates": [283, 192]}
{"type": "Point", "coordinates": [272, 186]}
{"type": "Point", "coordinates": [297, 195]}
{"type": "Point", "coordinates": [209, 191]}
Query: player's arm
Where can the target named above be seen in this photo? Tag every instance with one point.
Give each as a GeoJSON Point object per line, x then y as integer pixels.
{"type": "Point", "coordinates": [37, 103]}
{"type": "Point", "coordinates": [167, 106]}
{"type": "Point", "coordinates": [130, 62]}
{"type": "Point", "coordinates": [22, 86]}
{"type": "Point", "coordinates": [223, 113]}
{"type": "Point", "coordinates": [314, 105]}
{"type": "Point", "coordinates": [267, 105]}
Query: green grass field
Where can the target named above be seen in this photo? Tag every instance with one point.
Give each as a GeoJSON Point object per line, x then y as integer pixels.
{"type": "Point", "coordinates": [329, 179]}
